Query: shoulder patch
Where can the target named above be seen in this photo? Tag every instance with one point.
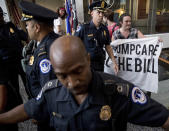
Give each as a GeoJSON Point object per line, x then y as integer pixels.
{"type": "Point", "coordinates": [78, 28]}
{"type": "Point", "coordinates": [45, 66]}
{"type": "Point", "coordinates": [49, 85]}
{"type": "Point", "coordinates": [138, 96]}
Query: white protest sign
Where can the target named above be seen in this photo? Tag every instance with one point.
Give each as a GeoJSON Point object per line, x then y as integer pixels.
{"type": "Point", "coordinates": [138, 61]}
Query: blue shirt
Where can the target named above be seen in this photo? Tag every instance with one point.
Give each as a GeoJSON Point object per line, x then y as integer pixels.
{"type": "Point", "coordinates": [107, 107]}
{"type": "Point", "coordinates": [39, 69]}
{"type": "Point", "coordinates": [94, 39]}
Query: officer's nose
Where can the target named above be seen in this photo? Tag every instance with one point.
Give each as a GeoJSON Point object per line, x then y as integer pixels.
{"type": "Point", "coordinates": [72, 82]}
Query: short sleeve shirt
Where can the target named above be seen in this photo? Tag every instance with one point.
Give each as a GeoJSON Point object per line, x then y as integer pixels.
{"type": "Point", "coordinates": [94, 39]}
{"type": "Point", "coordinates": [39, 70]}
{"type": "Point", "coordinates": [111, 28]}
{"type": "Point", "coordinates": [133, 34]}
{"type": "Point", "coordinates": [103, 109]}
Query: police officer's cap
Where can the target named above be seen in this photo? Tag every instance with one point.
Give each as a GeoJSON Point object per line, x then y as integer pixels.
{"type": "Point", "coordinates": [98, 5]}
{"type": "Point", "coordinates": [37, 12]}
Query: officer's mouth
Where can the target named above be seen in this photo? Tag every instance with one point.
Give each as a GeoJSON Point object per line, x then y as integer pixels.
{"type": "Point", "coordinates": [79, 89]}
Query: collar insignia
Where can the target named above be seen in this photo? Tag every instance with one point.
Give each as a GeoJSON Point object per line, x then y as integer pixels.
{"type": "Point", "coordinates": [90, 35]}
{"type": "Point", "coordinates": [105, 113]}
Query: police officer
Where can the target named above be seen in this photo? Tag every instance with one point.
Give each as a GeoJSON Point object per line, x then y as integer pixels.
{"type": "Point", "coordinates": [87, 100]}
{"type": "Point", "coordinates": [10, 66]}
{"type": "Point", "coordinates": [39, 24]}
{"type": "Point", "coordinates": [95, 36]}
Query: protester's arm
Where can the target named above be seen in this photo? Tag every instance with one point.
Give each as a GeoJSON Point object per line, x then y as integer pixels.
{"type": "Point", "coordinates": [111, 55]}
{"type": "Point", "coordinates": [15, 115]}
{"type": "Point", "coordinates": [112, 38]}
{"type": "Point", "coordinates": [140, 35]}
{"type": "Point", "coordinates": [166, 125]}
{"type": "Point", "coordinates": [3, 97]}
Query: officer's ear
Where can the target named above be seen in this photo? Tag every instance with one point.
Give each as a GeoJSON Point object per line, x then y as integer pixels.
{"type": "Point", "coordinates": [91, 13]}
{"type": "Point", "coordinates": [37, 27]}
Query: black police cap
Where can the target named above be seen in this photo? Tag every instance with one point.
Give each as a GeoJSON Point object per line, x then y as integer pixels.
{"type": "Point", "coordinates": [37, 12]}
{"type": "Point", "coordinates": [98, 5]}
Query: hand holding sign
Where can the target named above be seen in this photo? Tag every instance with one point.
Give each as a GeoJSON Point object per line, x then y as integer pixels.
{"type": "Point", "coordinates": [138, 61]}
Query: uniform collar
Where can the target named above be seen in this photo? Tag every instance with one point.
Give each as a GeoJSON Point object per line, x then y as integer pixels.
{"type": "Point", "coordinates": [96, 92]}
{"type": "Point", "coordinates": [63, 94]}
{"type": "Point", "coordinates": [92, 25]}
{"type": "Point", "coordinates": [45, 38]}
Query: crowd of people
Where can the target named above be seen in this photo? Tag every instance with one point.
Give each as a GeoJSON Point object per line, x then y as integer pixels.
{"type": "Point", "coordinates": [65, 80]}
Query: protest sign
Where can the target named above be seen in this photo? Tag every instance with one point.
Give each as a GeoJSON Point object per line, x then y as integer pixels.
{"type": "Point", "coordinates": [138, 61]}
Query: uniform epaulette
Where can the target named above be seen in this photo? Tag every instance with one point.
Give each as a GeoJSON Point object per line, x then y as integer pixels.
{"type": "Point", "coordinates": [114, 84]}
{"type": "Point", "coordinates": [123, 88]}
{"type": "Point", "coordinates": [42, 51]}
{"type": "Point", "coordinates": [86, 25]}
{"type": "Point", "coordinates": [49, 85]}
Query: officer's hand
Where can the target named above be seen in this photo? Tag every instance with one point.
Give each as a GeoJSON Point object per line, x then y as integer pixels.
{"type": "Point", "coordinates": [116, 68]}
{"type": "Point", "coordinates": [160, 40]}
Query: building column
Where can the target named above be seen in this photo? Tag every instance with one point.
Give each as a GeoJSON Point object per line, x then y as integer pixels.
{"type": "Point", "coordinates": [152, 17]}
{"type": "Point", "coordinates": [82, 11]}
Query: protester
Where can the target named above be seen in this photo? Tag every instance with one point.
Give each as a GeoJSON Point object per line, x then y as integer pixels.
{"type": "Point", "coordinates": [108, 19]}
{"type": "Point", "coordinates": [10, 66]}
{"type": "Point", "coordinates": [126, 31]}
{"type": "Point", "coordinates": [112, 26]}
{"type": "Point", "coordinates": [95, 36]}
{"type": "Point", "coordinates": [87, 100]}
{"type": "Point", "coordinates": [59, 27]}
{"type": "Point", "coordinates": [39, 24]}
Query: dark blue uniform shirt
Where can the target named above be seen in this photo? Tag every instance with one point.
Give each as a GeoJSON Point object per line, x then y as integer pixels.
{"type": "Point", "coordinates": [39, 70]}
{"type": "Point", "coordinates": [95, 40]}
{"type": "Point", "coordinates": [10, 56]}
{"type": "Point", "coordinates": [106, 108]}
{"type": "Point", "coordinates": [10, 50]}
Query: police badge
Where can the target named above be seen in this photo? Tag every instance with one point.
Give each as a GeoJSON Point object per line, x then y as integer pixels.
{"type": "Point", "coordinates": [11, 30]}
{"type": "Point", "coordinates": [105, 113]}
{"type": "Point", "coordinates": [102, 4]}
{"type": "Point", "coordinates": [31, 60]}
{"type": "Point", "coordinates": [104, 33]}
